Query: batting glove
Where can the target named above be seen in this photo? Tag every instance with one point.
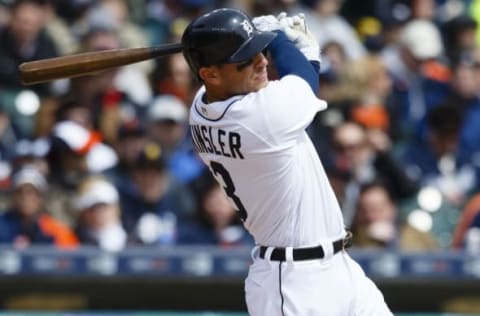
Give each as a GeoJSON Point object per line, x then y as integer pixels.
{"type": "Point", "coordinates": [291, 25]}
{"type": "Point", "coordinates": [267, 23]}
{"type": "Point", "coordinates": [295, 28]}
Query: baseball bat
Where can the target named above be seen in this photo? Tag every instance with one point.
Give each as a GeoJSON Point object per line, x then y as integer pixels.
{"type": "Point", "coordinates": [82, 64]}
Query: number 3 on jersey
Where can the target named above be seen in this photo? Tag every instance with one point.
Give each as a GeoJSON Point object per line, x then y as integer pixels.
{"type": "Point", "coordinates": [229, 187]}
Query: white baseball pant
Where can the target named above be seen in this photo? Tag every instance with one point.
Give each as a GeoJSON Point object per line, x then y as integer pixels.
{"type": "Point", "coordinates": [333, 286]}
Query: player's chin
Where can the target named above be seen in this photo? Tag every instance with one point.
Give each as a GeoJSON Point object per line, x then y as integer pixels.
{"type": "Point", "coordinates": [261, 80]}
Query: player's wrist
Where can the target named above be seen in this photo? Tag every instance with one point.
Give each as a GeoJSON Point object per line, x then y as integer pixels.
{"type": "Point", "coordinates": [312, 53]}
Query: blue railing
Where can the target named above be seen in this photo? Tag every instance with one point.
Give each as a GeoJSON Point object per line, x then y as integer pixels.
{"type": "Point", "coordinates": [217, 262]}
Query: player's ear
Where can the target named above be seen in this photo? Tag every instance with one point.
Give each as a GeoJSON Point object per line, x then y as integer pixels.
{"type": "Point", "coordinates": [209, 75]}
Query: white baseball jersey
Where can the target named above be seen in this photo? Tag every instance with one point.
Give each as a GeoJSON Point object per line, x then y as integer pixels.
{"type": "Point", "coordinates": [257, 148]}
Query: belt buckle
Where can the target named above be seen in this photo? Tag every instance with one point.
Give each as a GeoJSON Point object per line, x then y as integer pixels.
{"type": "Point", "coordinates": [347, 241]}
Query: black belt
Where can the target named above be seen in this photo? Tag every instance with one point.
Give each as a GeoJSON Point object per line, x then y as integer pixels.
{"type": "Point", "coordinates": [278, 254]}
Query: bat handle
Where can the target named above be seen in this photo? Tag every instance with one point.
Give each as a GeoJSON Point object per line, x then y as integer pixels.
{"type": "Point", "coordinates": [167, 49]}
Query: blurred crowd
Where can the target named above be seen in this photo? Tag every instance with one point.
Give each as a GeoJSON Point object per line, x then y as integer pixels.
{"type": "Point", "coordinates": [106, 160]}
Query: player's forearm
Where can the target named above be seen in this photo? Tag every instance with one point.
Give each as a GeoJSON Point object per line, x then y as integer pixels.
{"type": "Point", "coordinates": [290, 61]}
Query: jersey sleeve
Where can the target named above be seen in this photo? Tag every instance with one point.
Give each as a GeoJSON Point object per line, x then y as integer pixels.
{"type": "Point", "coordinates": [285, 108]}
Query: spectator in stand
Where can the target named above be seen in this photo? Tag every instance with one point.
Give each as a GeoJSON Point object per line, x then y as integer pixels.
{"type": "Point", "coordinates": [32, 153]}
{"type": "Point", "coordinates": [8, 139]}
{"type": "Point", "coordinates": [110, 104]}
{"type": "Point", "coordinates": [132, 79]}
{"type": "Point", "coordinates": [459, 37]}
{"type": "Point", "coordinates": [8, 135]}
{"type": "Point", "coordinates": [94, 155]}
{"type": "Point", "coordinates": [334, 61]}
{"type": "Point", "coordinates": [74, 14]}
{"type": "Point", "coordinates": [393, 15]}
{"type": "Point", "coordinates": [447, 175]}
{"type": "Point", "coordinates": [364, 156]}
{"type": "Point", "coordinates": [75, 152]}
{"type": "Point", "coordinates": [457, 126]}
{"type": "Point", "coordinates": [216, 221]}
{"type": "Point", "coordinates": [173, 77]}
{"type": "Point", "coordinates": [24, 39]}
{"type": "Point", "coordinates": [25, 153]}
{"type": "Point", "coordinates": [75, 111]}
{"type": "Point", "coordinates": [99, 223]}
{"type": "Point", "coordinates": [62, 108]}
{"type": "Point", "coordinates": [131, 138]}
{"type": "Point", "coordinates": [27, 221]}
{"type": "Point", "coordinates": [365, 87]}
{"type": "Point", "coordinates": [437, 160]}
{"type": "Point", "coordinates": [420, 79]}
{"type": "Point", "coordinates": [465, 96]}
{"type": "Point", "coordinates": [167, 125]}
{"type": "Point", "coordinates": [159, 18]}
{"type": "Point", "coordinates": [464, 81]}
{"type": "Point", "coordinates": [130, 34]}
{"type": "Point", "coordinates": [59, 30]}
{"type": "Point", "coordinates": [152, 200]}
{"type": "Point", "coordinates": [326, 23]}
{"type": "Point", "coordinates": [377, 224]}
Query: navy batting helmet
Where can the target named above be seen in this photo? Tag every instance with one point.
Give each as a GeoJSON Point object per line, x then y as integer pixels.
{"type": "Point", "coordinates": [222, 36]}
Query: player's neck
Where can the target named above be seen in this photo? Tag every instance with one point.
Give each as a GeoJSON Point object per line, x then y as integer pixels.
{"type": "Point", "coordinates": [210, 98]}
{"type": "Point", "coordinates": [214, 95]}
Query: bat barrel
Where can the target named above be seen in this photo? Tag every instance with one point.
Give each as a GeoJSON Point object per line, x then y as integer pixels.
{"type": "Point", "coordinates": [77, 65]}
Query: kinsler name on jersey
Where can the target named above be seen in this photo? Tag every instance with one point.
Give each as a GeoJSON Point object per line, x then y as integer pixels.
{"type": "Point", "coordinates": [216, 141]}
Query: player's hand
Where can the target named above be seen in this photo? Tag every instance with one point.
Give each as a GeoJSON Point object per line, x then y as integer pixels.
{"type": "Point", "coordinates": [295, 27]}
{"type": "Point", "coordinates": [267, 23]}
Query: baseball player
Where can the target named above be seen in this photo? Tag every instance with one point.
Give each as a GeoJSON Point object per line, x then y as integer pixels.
{"type": "Point", "coordinates": [250, 132]}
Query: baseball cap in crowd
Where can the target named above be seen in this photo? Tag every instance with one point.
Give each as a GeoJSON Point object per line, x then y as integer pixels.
{"type": "Point", "coordinates": [371, 117]}
{"type": "Point", "coordinates": [80, 140]}
{"type": "Point", "coordinates": [94, 192]}
{"type": "Point", "coordinates": [460, 23]}
{"type": "Point", "coordinates": [167, 108]}
{"type": "Point", "coordinates": [151, 156]}
{"type": "Point", "coordinates": [100, 19]}
{"type": "Point", "coordinates": [29, 175]}
{"type": "Point", "coordinates": [422, 38]}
